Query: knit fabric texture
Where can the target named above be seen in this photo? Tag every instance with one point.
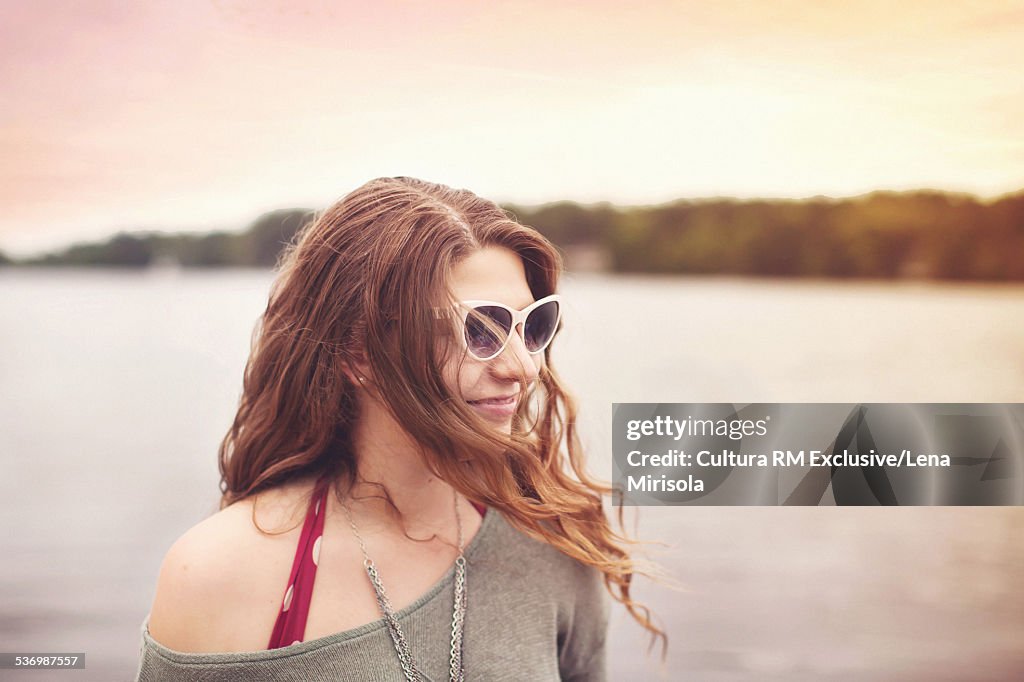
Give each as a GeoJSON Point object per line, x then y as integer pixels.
{"type": "Point", "coordinates": [533, 613]}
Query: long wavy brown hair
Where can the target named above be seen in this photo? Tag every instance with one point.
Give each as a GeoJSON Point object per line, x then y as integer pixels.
{"type": "Point", "coordinates": [361, 284]}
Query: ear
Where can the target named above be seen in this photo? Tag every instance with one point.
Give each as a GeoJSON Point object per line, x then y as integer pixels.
{"type": "Point", "coordinates": [358, 373]}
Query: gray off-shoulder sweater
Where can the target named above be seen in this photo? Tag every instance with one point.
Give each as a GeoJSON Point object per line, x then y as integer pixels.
{"type": "Point", "coordinates": [532, 613]}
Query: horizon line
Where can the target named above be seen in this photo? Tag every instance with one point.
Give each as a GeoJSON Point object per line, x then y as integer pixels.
{"type": "Point", "coordinates": [247, 224]}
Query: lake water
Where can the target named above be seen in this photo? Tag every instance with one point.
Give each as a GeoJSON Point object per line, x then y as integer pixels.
{"type": "Point", "coordinates": [116, 388]}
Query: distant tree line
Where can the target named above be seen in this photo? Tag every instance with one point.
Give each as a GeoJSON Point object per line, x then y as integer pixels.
{"type": "Point", "coordinates": [258, 246]}
{"type": "Point", "coordinates": [879, 235]}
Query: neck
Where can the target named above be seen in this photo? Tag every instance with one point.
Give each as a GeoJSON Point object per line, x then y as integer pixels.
{"type": "Point", "coordinates": [388, 456]}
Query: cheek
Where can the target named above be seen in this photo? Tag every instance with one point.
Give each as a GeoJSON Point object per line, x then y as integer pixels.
{"type": "Point", "coordinates": [538, 362]}
{"type": "Point", "coordinates": [449, 361]}
{"type": "Point", "coordinates": [470, 374]}
{"type": "Point", "coordinates": [461, 374]}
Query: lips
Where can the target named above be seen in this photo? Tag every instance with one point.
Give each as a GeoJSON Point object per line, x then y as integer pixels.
{"type": "Point", "coordinates": [501, 400]}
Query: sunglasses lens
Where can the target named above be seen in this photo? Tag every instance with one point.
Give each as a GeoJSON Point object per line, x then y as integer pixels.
{"type": "Point", "coordinates": [486, 330]}
{"type": "Point", "coordinates": [540, 326]}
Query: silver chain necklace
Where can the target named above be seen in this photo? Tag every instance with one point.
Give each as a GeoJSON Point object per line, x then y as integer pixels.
{"type": "Point", "coordinates": [405, 659]}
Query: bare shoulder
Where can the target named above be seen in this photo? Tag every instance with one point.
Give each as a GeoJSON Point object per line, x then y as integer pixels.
{"type": "Point", "coordinates": [221, 581]}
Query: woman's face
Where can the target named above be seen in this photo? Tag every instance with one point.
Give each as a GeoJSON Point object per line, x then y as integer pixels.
{"type": "Point", "coordinates": [491, 387]}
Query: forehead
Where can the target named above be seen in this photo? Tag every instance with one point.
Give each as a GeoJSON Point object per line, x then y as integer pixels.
{"type": "Point", "coordinates": [493, 273]}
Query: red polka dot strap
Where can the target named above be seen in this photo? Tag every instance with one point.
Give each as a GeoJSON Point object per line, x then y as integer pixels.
{"type": "Point", "coordinates": [290, 627]}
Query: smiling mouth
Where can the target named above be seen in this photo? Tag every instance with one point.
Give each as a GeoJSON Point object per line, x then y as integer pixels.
{"type": "Point", "coordinates": [507, 400]}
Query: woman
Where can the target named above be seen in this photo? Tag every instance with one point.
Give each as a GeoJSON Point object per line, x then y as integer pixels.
{"type": "Point", "coordinates": [403, 438]}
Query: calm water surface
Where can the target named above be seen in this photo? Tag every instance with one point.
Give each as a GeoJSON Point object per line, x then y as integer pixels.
{"type": "Point", "coordinates": [116, 388]}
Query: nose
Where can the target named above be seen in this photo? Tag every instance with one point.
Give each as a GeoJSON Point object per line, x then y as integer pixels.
{"type": "Point", "coordinates": [515, 362]}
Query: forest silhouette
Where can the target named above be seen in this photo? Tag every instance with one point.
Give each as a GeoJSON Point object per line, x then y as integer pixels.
{"type": "Point", "coordinates": [923, 234]}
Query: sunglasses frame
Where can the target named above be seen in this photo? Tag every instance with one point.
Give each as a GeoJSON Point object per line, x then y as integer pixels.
{"type": "Point", "coordinates": [518, 318]}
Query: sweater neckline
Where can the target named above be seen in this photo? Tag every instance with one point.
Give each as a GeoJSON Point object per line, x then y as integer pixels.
{"type": "Point", "coordinates": [489, 521]}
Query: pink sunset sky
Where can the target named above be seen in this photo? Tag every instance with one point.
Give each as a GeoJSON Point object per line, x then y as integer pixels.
{"type": "Point", "coordinates": [200, 114]}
